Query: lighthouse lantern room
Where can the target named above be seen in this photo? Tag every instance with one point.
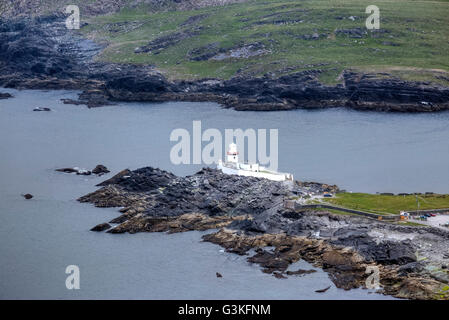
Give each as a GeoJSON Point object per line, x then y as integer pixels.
{"type": "Point", "coordinates": [233, 155]}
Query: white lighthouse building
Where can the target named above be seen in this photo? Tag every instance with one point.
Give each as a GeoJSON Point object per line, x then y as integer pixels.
{"type": "Point", "coordinates": [232, 154]}
{"type": "Point", "coordinates": [233, 166]}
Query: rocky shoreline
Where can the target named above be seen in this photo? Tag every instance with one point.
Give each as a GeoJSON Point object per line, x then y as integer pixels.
{"type": "Point", "coordinates": [41, 53]}
{"type": "Point", "coordinates": [252, 220]}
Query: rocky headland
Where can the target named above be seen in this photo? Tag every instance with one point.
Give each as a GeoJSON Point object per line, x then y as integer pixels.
{"type": "Point", "coordinates": [247, 216]}
{"type": "Point", "coordinates": [41, 53]}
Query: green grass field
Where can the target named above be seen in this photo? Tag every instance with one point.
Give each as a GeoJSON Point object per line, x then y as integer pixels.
{"type": "Point", "coordinates": [389, 204]}
{"type": "Point", "coordinates": [413, 43]}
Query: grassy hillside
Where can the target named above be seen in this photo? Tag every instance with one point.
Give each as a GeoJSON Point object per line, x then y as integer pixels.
{"type": "Point", "coordinates": [291, 36]}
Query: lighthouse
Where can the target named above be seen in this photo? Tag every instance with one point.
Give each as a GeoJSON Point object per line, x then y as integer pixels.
{"type": "Point", "coordinates": [232, 154]}
{"type": "Point", "coordinates": [233, 166]}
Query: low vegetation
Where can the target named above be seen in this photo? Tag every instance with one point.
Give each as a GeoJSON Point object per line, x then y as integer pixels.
{"type": "Point", "coordinates": [289, 36]}
{"type": "Point", "coordinates": [391, 204]}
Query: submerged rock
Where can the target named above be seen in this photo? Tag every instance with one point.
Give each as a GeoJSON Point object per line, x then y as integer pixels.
{"type": "Point", "coordinates": [5, 95]}
{"type": "Point", "coordinates": [75, 170]}
{"type": "Point", "coordinates": [323, 290]}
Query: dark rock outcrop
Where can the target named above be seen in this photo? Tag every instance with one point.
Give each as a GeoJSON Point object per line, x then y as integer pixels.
{"type": "Point", "coordinates": [387, 252]}
{"type": "Point", "coordinates": [300, 272]}
{"type": "Point", "coordinates": [5, 95]}
{"type": "Point", "coordinates": [160, 193]}
{"type": "Point", "coordinates": [75, 170]}
{"type": "Point", "coordinates": [101, 227]}
{"type": "Point", "coordinates": [322, 290]}
{"type": "Point", "coordinates": [100, 170]}
{"type": "Point", "coordinates": [251, 215]}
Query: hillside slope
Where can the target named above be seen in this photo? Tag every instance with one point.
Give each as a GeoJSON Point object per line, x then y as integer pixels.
{"type": "Point", "coordinates": [281, 37]}
{"type": "Point", "coordinates": [249, 55]}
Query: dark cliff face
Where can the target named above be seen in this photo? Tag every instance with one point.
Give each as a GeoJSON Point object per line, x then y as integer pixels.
{"type": "Point", "coordinates": [42, 48]}
{"type": "Point", "coordinates": [25, 46]}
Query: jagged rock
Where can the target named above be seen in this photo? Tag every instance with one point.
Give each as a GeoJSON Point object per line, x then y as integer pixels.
{"type": "Point", "coordinates": [219, 275]}
{"type": "Point", "coordinates": [279, 275]}
{"type": "Point", "coordinates": [160, 193]}
{"type": "Point", "coordinates": [100, 170]}
{"type": "Point", "coordinates": [300, 272]}
{"type": "Point", "coordinates": [269, 261]}
{"type": "Point", "coordinates": [157, 45]}
{"type": "Point", "coordinates": [386, 252]}
{"type": "Point", "coordinates": [411, 267]}
{"type": "Point", "coordinates": [101, 227]}
{"type": "Point", "coordinates": [67, 170]}
{"type": "Point", "coordinates": [75, 170]}
{"type": "Point", "coordinates": [183, 223]}
{"type": "Point", "coordinates": [92, 98]}
{"type": "Point", "coordinates": [243, 51]}
{"type": "Point", "coordinates": [5, 95]}
{"type": "Point", "coordinates": [323, 290]}
{"type": "Point", "coordinates": [352, 33]}
{"type": "Point", "coordinates": [116, 178]}
{"type": "Point", "coordinates": [313, 36]}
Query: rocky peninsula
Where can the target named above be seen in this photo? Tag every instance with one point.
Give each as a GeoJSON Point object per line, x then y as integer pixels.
{"type": "Point", "coordinates": [41, 53]}
{"type": "Point", "coordinates": [248, 217]}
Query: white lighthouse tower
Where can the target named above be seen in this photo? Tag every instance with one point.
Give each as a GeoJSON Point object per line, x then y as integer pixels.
{"type": "Point", "coordinates": [232, 154]}
{"type": "Point", "coordinates": [233, 166]}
